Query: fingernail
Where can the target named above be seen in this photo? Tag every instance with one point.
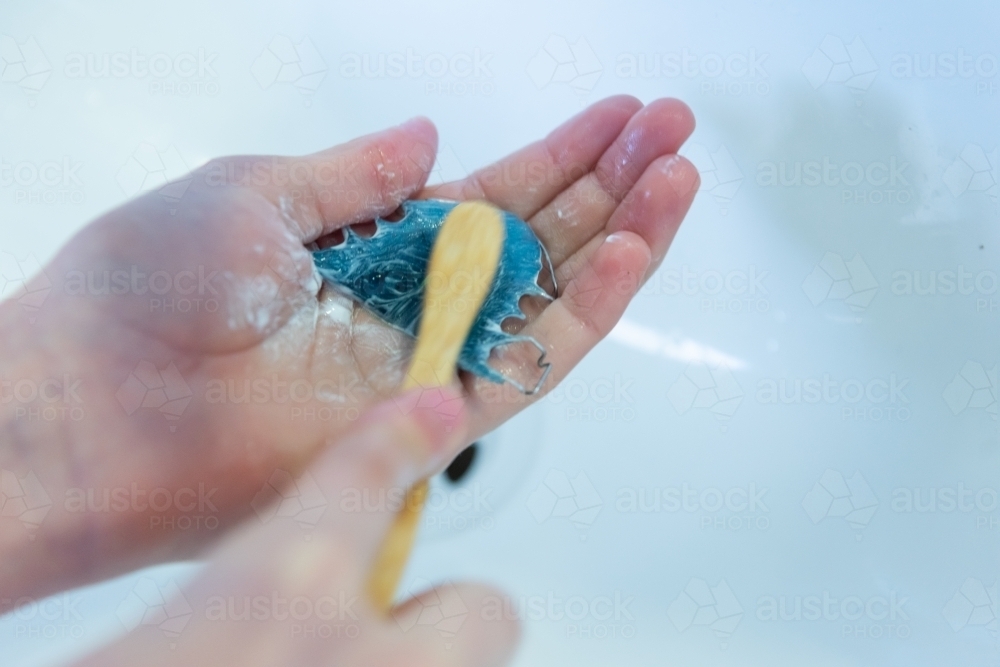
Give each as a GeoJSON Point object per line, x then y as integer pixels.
{"type": "Point", "coordinates": [431, 420]}
{"type": "Point", "coordinates": [682, 176]}
{"type": "Point", "coordinates": [422, 133]}
{"type": "Point", "coordinates": [438, 411]}
{"type": "Point", "coordinates": [416, 121]}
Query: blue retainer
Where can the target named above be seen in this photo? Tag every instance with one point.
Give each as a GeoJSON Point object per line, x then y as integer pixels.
{"type": "Point", "coordinates": [386, 273]}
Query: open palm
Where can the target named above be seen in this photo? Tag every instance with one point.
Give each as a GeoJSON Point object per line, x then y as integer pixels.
{"type": "Point", "coordinates": [210, 355]}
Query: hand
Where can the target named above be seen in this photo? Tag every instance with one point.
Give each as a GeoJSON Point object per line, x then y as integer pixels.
{"type": "Point", "coordinates": [216, 289]}
{"type": "Point", "coordinates": [304, 601]}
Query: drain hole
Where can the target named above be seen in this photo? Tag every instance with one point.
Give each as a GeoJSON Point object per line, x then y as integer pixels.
{"type": "Point", "coordinates": [460, 467]}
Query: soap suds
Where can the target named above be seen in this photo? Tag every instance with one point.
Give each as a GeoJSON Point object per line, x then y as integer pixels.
{"type": "Point", "coordinates": [336, 309]}
{"type": "Point", "coordinates": [286, 282]}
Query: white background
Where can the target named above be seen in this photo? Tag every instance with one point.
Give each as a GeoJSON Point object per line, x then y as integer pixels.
{"type": "Point", "coordinates": [678, 420]}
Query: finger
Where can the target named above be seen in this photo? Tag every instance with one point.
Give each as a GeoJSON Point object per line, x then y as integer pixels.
{"type": "Point", "coordinates": [346, 184]}
{"type": "Point", "coordinates": [600, 279]}
{"type": "Point", "coordinates": [598, 286]}
{"type": "Point", "coordinates": [360, 480]}
{"type": "Point", "coordinates": [392, 445]}
{"type": "Point", "coordinates": [654, 210]}
{"type": "Point", "coordinates": [657, 204]}
{"type": "Point", "coordinates": [356, 486]}
{"type": "Point", "coordinates": [367, 474]}
{"type": "Point", "coordinates": [263, 601]}
{"type": "Point", "coordinates": [469, 626]}
{"type": "Point", "coordinates": [525, 181]}
{"type": "Point", "coordinates": [583, 209]}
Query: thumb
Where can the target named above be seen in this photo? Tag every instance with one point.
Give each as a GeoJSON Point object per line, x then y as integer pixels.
{"type": "Point", "coordinates": [460, 625]}
{"type": "Point", "coordinates": [354, 489]}
{"type": "Point", "coordinates": [367, 472]}
{"type": "Point", "coordinates": [391, 445]}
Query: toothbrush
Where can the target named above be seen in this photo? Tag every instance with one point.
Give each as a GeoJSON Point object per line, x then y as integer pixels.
{"type": "Point", "coordinates": [460, 272]}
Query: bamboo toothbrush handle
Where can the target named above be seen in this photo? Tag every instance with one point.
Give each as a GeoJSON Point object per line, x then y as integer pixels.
{"type": "Point", "coordinates": [460, 274]}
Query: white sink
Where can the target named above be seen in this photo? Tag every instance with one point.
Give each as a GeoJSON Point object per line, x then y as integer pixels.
{"type": "Point", "coordinates": [788, 451]}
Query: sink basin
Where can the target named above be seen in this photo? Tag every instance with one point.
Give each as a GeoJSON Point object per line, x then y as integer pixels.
{"type": "Point", "coordinates": [788, 451]}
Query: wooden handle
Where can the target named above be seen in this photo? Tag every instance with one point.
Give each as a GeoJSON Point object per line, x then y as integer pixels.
{"type": "Point", "coordinates": [395, 550]}
{"type": "Point", "coordinates": [460, 273]}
